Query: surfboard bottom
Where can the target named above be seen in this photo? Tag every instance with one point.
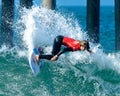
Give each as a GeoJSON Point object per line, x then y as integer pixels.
{"type": "Point", "coordinates": [35, 67]}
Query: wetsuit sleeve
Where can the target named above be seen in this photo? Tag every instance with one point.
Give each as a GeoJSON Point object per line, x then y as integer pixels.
{"type": "Point", "coordinates": [64, 50]}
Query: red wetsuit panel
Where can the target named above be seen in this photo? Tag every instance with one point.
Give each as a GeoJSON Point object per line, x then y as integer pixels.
{"type": "Point", "coordinates": [71, 43]}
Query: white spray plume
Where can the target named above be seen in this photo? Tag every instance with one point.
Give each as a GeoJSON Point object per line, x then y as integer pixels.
{"type": "Point", "coordinates": [43, 25]}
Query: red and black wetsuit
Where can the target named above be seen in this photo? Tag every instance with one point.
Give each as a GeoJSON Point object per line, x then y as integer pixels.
{"type": "Point", "coordinates": [69, 43]}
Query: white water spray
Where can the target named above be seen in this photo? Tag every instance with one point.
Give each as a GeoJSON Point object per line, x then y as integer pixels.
{"type": "Point", "coordinates": [43, 25]}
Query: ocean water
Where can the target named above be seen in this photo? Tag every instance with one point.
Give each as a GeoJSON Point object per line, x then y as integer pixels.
{"type": "Point", "coordinates": [74, 73]}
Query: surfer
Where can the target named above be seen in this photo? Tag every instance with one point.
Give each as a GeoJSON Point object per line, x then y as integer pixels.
{"type": "Point", "coordinates": [70, 45]}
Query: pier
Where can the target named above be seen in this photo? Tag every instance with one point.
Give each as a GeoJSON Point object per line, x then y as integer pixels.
{"type": "Point", "coordinates": [92, 19]}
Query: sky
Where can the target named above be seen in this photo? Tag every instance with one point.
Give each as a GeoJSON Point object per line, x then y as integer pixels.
{"type": "Point", "coordinates": [81, 2]}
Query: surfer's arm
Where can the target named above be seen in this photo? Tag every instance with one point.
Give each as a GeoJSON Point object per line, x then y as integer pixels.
{"type": "Point", "coordinates": [61, 52]}
{"type": "Point", "coordinates": [64, 50]}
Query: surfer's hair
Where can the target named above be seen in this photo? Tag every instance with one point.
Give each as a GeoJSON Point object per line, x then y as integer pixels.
{"type": "Point", "coordinates": [85, 43]}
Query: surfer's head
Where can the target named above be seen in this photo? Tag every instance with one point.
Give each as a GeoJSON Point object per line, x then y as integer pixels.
{"type": "Point", "coordinates": [85, 45]}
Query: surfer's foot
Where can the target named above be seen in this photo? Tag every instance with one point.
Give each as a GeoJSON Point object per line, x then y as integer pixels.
{"type": "Point", "coordinates": [36, 52]}
{"type": "Point", "coordinates": [37, 58]}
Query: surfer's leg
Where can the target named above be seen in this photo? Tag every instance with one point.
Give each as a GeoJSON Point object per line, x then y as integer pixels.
{"type": "Point", "coordinates": [48, 57]}
{"type": "Point", "coordinates": [56, 48]}
{"type": "Point", "coordinates": [41, 50]}
{"type": "Point", "coordinates": [41, 54]}
{"type": "Point", "coordinates": [57, 45]}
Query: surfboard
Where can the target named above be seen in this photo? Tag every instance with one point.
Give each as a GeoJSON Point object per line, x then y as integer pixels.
{"type": "Point", "coordinates": [34, 65]}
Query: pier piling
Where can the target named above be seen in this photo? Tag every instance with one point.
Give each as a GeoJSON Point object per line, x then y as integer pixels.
{"type": "Point", "coordinates": [50, 4]}
{"type": "Point", "coordinates": [26, 3]}
{"type": "Point", "coordinates": [7, 18]}
{"type": "Point", "coordinates": [93, 7]}
{"type": "Point", "coordinates": [117, 24]}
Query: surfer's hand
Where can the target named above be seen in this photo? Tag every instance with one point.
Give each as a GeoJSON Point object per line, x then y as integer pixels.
{"type": "Point", "coordinates": [54, 58]}
{"type": "Point", "coordinates": [90, 51]}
